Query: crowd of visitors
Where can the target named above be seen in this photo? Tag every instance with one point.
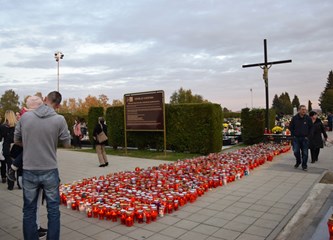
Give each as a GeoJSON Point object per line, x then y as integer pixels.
{"type": "Point", "coordinates": [37, 129]}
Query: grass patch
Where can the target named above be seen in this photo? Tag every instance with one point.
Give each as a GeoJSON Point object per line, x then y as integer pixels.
{"type": "Point", "coordinates": [170, 156]}
{"type": "Point", "coordinates": [147, 154]}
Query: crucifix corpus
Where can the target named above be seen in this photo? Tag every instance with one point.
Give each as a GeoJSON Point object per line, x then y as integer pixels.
{"type": "Point", "coordinates": [265, 66]}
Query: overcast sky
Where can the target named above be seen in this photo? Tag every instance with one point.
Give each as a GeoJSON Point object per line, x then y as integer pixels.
{"type": "Point", "coordinates": [118, 47]}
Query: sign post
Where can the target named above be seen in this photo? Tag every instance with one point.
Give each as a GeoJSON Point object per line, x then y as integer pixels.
{"type": "Point", "coordinates": [145, 111]}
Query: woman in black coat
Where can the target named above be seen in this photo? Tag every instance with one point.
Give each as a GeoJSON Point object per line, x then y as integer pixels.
{"type": "Point", "coordinates": [316, 140]}
{"type": "Point", "coordinates": [100, 146]}
{"type": "Point", "coordinates": [7, 135]}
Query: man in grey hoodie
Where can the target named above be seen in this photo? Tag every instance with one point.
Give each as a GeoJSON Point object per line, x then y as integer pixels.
{"type": "Point", "coordinates": [39, 132]}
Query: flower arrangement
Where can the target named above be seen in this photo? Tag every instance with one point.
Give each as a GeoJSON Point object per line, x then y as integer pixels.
{"type": "Point", "coordinates": [277, 129]}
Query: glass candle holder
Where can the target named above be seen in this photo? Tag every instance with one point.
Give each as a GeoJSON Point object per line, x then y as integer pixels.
{"type": "Point", "coordinates": [114, 214]}
{"type": "Point", "coordinates": [154, 213]}
{"type": "Point", "coordinates": [73, 205]}
{"type": "Point", "coordinates": [101, 213]}
{"type": "Point", "coordinates": [140, 216]}
{"type": "Point", "coordinates": [95, 210]}
{"type": "Point", "coordinates": [108, 213]}
{"type": "Point", "coordinates": [123, 216]}
{"type": "Point", "coordinates": [129, 221]}
{"type": "Point", "coordinates": [89, 210]}
{"type": "Point", "coordinates": [147, 214]}
{"type": "Point", "coordinates": [170, 206]}
{"type": "Point", "coordinates": [175, 205]}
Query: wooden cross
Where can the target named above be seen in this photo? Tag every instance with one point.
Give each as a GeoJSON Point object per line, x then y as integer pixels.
{"type": "Point", "coordinates": [265, 66]}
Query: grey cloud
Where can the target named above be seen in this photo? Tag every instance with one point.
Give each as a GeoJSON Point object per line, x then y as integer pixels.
{"type": "Point", "coordinates": [300, 30]}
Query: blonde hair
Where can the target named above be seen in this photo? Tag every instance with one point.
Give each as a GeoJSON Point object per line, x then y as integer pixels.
{"type": "Point", "coordinates": [10, 118]}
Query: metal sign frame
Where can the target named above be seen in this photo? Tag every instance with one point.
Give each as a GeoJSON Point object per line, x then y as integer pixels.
{"type": "Point", "coordinates": [142, 113]}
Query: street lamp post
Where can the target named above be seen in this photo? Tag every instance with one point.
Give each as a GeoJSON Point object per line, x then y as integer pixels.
{"type": "Point", "coordinates": [251, 98]}
{"type": "Point", "coordinates": [58, 56]}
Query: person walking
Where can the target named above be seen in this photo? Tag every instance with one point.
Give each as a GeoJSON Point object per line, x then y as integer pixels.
{"type": "Point", "coordinates": [77, 134]}
{"type": "Point", "coordinates": [316, 140]}
{"type": "Point", "coordinates": [330, 121]}
{"type": "Point", "coordinates": [39, 132]}
{"type": "Point", "coordinates": [300, 126]}
{"type": "Point", "coordinates": [7, 135]}
{"type": "Point", "coordinates": [100, 146]}
{"type": "Point", "coordinates": [2, 159]}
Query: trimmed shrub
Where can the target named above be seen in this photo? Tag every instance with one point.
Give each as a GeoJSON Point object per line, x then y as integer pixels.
{"type": "Point", "coordinates": [115, 122]}
{"type": "Point", "coordinates": [195, 128]}
{"type": "Point", "coordinates": [253, 124]}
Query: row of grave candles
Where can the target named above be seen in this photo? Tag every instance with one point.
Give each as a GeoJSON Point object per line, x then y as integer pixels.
{"type": "Point", "coordinates": [144, 195]}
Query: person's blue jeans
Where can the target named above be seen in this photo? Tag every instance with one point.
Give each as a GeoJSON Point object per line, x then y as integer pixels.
{"type": "Point", "coordinates": [33, 181]}
{"type": "Point", "coordinates": [301, 148]}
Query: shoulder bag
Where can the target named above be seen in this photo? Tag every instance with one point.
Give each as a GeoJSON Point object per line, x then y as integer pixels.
{"type": "Point", "coordinates": [101, 137]}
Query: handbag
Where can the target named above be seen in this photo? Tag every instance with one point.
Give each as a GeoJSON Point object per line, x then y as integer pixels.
{"type": "Point", "coordinates": [101, 137]}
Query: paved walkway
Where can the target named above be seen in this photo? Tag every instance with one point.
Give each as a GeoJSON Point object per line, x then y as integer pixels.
{"type": "Point", "coordinates": [256, 207]}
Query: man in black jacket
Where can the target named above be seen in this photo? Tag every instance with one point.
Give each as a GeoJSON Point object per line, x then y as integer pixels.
{"type": "Point", "coordinates": [300, 127]}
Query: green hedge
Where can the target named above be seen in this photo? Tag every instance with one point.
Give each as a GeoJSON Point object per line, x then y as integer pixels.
{"type": "Point", "coordinates": [196, 128]}
{"type": "Point", "coordinates": [115, 122]}
{"type": "Point", "coordinates": [253, 124]}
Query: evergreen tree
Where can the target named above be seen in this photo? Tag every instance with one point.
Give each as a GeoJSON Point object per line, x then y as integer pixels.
{"type": "Point", "coordinates": [282, 104]}
{"type": "Point", "coordinates": [276, 104]}
{"type": "Point", "coordinates": [287, 108]}
{"type": "Point", "coordinates": [295, 102]}
{"type": "Point", "coordinates": [326, 97]}
{"type": "Point", "coordinates": [9, 101]}
{"type": "Point", "coordinates": [309, 106]}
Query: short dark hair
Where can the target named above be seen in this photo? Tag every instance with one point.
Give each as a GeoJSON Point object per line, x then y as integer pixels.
{"type": "Point", "coordinates": [301, 106]}
{"type": "Point", "coordinates": [54, 97]}
{"type": "Point", "coordinates": [312, 113]}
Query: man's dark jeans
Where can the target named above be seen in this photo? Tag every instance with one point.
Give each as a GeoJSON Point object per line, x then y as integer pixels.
{"type": "Point", "coordinates": [33, 181]}
{"type": "Point", "coordinates": [300, 149]}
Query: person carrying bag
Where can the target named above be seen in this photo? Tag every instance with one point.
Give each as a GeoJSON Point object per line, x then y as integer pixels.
{"type": "Point", "coordinates": [101, 137]}
{"type": "Point", "coordinates": [100, 140]}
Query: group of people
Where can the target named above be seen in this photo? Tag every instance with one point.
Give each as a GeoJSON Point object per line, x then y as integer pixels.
{"type": "Point", "coordinates": [79, 131]}
{"type": "Point", "coordinates": [29, 144]}
{"type": "Point", "coordinates": [307, 131]}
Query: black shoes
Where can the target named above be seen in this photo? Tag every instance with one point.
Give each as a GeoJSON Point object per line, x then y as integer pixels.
{"type": "Point", "coordinates": [4, 180]}
{"type": "Point", "coordinates": [297, 165]}
{"type": "Point", "coordinates": [104, 165]}
{"type": "Point", "coordinates": [42, 233]}
{"type": "Point", "coordinates": [11, 174]}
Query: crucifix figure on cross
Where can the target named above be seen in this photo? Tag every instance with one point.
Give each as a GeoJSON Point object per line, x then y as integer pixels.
{"type": "Point", "coordinates": [265, 66]}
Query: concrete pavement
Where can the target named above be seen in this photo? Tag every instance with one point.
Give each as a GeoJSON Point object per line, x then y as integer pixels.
{"type": "Point", "coordinates": [258, 206]}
